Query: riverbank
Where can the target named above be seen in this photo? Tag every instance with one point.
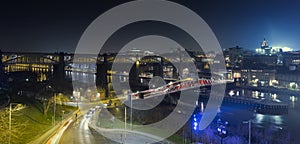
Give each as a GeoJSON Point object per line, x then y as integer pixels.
{"type": "Point", "coordinates": [271, 89]}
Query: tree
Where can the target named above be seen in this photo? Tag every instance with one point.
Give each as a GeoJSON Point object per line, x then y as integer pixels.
{"type": "Point", "coordinates": [46, 104]}
{"type": "Point", "coordinates": [46, 96]}
{"type": "Point", "coordinates": [49, 100]}
{"type": "Point", "coordinates": [18, 129]}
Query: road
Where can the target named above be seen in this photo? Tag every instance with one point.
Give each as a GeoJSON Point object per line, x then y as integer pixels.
{"type": "Point", "coordinates": [78, 132]}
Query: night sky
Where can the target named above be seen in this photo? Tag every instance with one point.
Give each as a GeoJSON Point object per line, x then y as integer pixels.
{"type": "Point", "coordinates": [57, 26]}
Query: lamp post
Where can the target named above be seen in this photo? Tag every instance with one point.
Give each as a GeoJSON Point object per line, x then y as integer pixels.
{"type": "Point", "coordinates": [9, 127]}
{"type": "Point", "coordinates": [131, 112]}
{"type": "Point", "coordinates": [249, 133]}
{"type": "Point", "coordinates": [129, 98]}
{"type": "Point", "coordinates": [125, 125]}
{"type": "Point", "coordinates": [77, 102]}
{"type": "Point", "coordinates": [54, 109]}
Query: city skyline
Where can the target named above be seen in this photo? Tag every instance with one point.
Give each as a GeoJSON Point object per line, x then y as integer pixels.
{"type": "Point", "coordinates": [57, 26]}
{"type": "Point", "coordinates": [150, 71]}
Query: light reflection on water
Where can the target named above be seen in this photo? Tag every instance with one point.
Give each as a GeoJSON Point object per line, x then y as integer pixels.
{"type": "Point", "coordinates": [81, 77]}
{"type": "Point", "coordinates": [290, 120]}
{"type": "Point", "coordinates": [261, 119]}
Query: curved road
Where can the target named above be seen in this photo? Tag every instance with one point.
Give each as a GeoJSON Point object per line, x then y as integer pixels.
{"type": "Point", "coordinates": [79, 133]}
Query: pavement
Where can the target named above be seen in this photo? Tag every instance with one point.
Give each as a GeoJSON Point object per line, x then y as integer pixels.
{"type": "Point", "coordinates": [125, 136]}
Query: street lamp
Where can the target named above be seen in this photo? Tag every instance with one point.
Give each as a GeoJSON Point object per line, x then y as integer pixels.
{"type": "Point", "coordinates": [131, 112]}
{"type": "Point", "coordinates": [249, 133]}
{"type": "Point", "coordinates": [125, 123]}
{"type": "Point", "coordinates": [54, 109]}
{"type": "Point", "coordinates": [129, 98]}
{"type": "Point", "coordinates": [125, 119]}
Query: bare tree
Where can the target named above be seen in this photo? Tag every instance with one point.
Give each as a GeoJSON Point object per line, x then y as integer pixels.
{"type": "Point", "coordinates": [46, 104]}
{"type": "Point", "coordinates": [18, 128]}
{"type": "Point", "coordinates": [49, 100]}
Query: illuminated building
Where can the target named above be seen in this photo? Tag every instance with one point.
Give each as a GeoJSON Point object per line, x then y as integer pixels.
{"type": "Point", "coordinates": [233, 57]}
{"type": "Point", "coordinates": [265, 49]}
{"type": "Point", "coordinates": [291, 60]}
{"type": "Point", "coordinates": [260, 77]}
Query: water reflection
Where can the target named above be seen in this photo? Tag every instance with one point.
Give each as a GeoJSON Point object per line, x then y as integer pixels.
{"type": "Point", "coordinates": [259, 118]}
{"type": "Point", "coordinates": [289, 120]}
{"type": "Point", "coordinates": [293, 100]}
{"type": "Point", "coordinates": [202, 107]}
{"type": "Point", "coordinates": [262, 120]}
{"type": "Point", "coordinates": [81, 77]}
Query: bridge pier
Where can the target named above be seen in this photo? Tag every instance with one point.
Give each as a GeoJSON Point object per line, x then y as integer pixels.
{"type": "Point", "coordinates": [59, 71]}
{"type": "Point", "coordinates": [157, 70]}
{"type": "Point", "coordinates": [102, 77]}
{"type": "Point", "coordinates": [134, 77]}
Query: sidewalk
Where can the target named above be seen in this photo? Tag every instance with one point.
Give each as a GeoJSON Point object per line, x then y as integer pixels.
{"type": "Point", "coordinates": [128, 136]}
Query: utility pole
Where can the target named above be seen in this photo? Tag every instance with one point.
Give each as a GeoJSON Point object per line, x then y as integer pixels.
{"type": "Point", "coordinates": [77, 99]}
{"type": "Point", "coordinates": [125, 124]}
{"type": "Point", "coordinates": [9, 127]}
{"type": "Point", "coordinates": [131, 112]}
{"type": "Point", "coordinates": [249, 122]}
{"type": "Point", "coordinates": [249, 128]}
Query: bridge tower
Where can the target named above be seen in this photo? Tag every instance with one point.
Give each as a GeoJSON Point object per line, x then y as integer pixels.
{"type": "Point", "coordinates": [158, 69]}
{"type": "Point", "coordinates": [101, 74]}
{"type": "Point", "coordinates": [59, 70]}
{"type": "Point", "coordinates": [134, 77]}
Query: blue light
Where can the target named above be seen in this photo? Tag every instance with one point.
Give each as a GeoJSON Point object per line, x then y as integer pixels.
{"type": "Point", "coordinates": [195, 124]}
